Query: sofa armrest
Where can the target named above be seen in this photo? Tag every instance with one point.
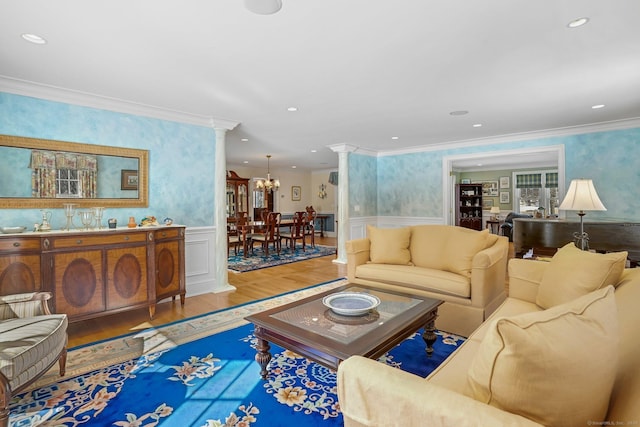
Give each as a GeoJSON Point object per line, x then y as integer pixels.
{"type": "Point", "coordinates": [357, 254]}
{"type": "Point", "coordinates": [24, 305]}
{"type": "Point", "coordinates": [373, 394]}
{"type": "Point", "coordinates": [525, 276]}
{"type": "Point", "coordinates": [488, 272]}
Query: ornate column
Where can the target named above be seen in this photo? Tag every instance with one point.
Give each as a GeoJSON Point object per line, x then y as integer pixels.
{"type": "Point", "coordinates": [343, 234]}
{"type": "Point", "coordinates": [220, 201]}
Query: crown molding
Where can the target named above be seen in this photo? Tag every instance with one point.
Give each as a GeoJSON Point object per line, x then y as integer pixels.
{"type": "Point", "coordinates": [84, 99]}
{"type": "Point", "coordinates": [515, 137]}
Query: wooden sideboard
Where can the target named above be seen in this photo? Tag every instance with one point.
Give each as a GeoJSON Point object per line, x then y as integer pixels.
{"type": "Point", "coordinates": [95, 273]}
{"type": "Point", "coordinates": [550, 234]}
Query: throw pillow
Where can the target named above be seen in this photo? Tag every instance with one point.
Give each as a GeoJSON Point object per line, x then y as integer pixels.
{"type": "Point", "coordinates": [573, 272]}
{"type": "Point", "coordinates": [460, 248]}
{"type": "Point", "coordinates": [389, 245]}
{"type": "Point", "coordinates": [555, 367]}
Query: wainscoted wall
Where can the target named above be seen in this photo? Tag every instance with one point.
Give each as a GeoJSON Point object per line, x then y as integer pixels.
{"type": "Point", "coordinates": [358, 226]}
{"type": "Point", "coordinates": [200, 261]}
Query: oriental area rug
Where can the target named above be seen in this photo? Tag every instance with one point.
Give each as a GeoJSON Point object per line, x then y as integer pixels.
{"type": "Point", "coordinates": [200, 372]}
{"type": "Point", "coordinates": [257, 260]}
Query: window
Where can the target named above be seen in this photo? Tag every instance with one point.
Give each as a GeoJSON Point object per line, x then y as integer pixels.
{"type": "Point", "coordinates": [536, 190]}
{"type": "Point", "coordinates": [68, 183]}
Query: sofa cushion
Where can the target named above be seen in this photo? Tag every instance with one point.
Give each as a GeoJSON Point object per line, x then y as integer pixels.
{"type": "Point", "coordinates": [389, 245]}
{"type": "Point", "coordinates": [461, 247]}
{"type": "Point", "coordinates": [27, 342]}
{"type": "Point", "coordinates": [443, 247]}
{"type": "Point", "coordinates": [556, 366]}
{"type": "Point", "coordinates": [411, 277]}
{"type": "Point", "coordinates": [573, 272]}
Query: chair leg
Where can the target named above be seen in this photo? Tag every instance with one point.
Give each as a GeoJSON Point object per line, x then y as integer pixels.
{"type": "Point", "coordinates": [62, 362]}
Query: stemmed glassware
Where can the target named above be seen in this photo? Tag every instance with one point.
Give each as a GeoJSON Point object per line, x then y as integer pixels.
{"type": "Point", "coordinates": [87, 218]}
{"type": "Point", "coordinates": [98, 212]}
{"type": "Point", "coordinates": [69, 211]}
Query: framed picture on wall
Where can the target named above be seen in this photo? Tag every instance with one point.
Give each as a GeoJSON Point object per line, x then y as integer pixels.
{"type": "Point", "coordinates": [487, 203]}
{"type": "Point", "coordinates": [128, 179]}
{"type": "Point", "coordinates": [504, 182]}
{"type": "Point", "coordinates": [296, 193]}
{"type": "Point", "coordinates": [465, 181]}
{"type": "Point", "coordinates": [489, 188]}
{"type": "Point", "coordinates": [504, 197]}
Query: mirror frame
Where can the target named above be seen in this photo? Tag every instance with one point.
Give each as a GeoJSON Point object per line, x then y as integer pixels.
{"type": "Point", "coordinates": [47, 144]}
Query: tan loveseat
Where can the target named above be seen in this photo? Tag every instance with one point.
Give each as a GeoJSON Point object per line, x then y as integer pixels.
{"type": "Point", "coordinates": [574, 363]}
{"type": "Point", "coordinates": [463, 267]}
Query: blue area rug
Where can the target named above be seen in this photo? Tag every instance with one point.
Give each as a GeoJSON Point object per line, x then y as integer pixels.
{"type": "Point", "coordinates": [209, 382]}
{"type": "Point", "coordinates": [240, 264]}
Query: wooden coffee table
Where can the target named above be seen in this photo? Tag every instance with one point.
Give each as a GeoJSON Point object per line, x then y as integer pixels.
{"type": "Point", "coordinates": [310, 329]}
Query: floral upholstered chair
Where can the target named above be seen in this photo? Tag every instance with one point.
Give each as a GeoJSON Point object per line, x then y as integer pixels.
{"type": "Point", "coordinates": [31, 341]}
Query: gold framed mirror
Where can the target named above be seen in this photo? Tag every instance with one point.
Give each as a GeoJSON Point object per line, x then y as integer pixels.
{"type": "Point", "coordinates": [112, 166]}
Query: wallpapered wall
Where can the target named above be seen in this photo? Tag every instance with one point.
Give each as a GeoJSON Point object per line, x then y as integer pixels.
{"type": "Point", "coordinates": [411, 184]}
{"type": "Point", "coordinates": [181, 156]}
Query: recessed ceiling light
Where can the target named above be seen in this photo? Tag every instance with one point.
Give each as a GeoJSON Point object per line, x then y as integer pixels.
{"type": "Point", "coordinates": [292, 109]}
{"type": "Point", "coordinates": [293, 167]}
{"type": "Point", "coordinates": [597, 106]}
{"type": "Point", "coordinates": [245, 162]}
{"type": "Point", "coordinates": [395, 137]}
{"type": "Point", "coordinates": [477, 125]}
{"type": "Point", "coordinates": [314, 151]}
{"type": "Point", "coordinates": [459, 113]}
{"type": "Point", "coordinates": [577, 22]}
{"type": "Point", "coordinates": [34, 38]}
{"type": "Point", "coordinates": [244, 139]}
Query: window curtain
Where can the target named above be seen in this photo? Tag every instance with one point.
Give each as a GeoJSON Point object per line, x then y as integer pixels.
{"type": "Point", "coordinates": [333, 178]}
{"type": "Point", "coordinates": [44, 165]}
{"type": "Point", "coordinates": [531, 180]}
{"type": "Point", "coordinates": [43, 175]}
{"type": "Point", "coordinates": [551, 180]}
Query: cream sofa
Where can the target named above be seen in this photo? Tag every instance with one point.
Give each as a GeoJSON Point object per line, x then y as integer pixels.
{"type": "Point", "coordinates": [574, 365]}
{"type": "Point", "coordinates": [463, 267]}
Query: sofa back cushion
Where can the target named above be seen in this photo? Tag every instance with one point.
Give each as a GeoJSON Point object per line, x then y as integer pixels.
{"type": "Point", "coordinates": [389, 245]}
{"type": "Point", "coordinates": [556, 367]}
{"type": "Point", "coordinates": [445, 247]}
{"type": "Point", "coordinates": [573, 272]}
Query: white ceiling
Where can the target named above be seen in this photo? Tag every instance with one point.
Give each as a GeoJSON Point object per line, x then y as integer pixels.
{"type": "Point", "coordinates": [359, 71]}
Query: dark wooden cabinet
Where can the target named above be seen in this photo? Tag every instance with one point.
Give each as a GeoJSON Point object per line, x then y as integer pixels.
{"type": "Point", "coordinates": [237, 195]}
{"type": "Point", "coordinates": [94, 273]}
{"type": "Point", "coordinates": [469, 206]}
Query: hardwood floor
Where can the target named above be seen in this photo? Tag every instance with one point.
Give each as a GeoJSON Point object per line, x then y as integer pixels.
{"type": "Point", "coordinates": [250, 286]}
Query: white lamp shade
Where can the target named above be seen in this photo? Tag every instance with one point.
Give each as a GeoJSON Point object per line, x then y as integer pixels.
{"type": "Point", "coordinates": [495, 210]}
{"type": "Point", "coordinates": [582, 196]}
{"type": "Point", "coordinates": [263, 7]}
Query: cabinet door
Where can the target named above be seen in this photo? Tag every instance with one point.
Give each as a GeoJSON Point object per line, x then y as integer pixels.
{"type": "Point", "coordinates": [79, 283]}
{"type": "Point", "coordinates": [167, 269]}
{"type": "Point", "coordinates": [19, 273]}
{"type": "Point", "coordinates": [127, 277]}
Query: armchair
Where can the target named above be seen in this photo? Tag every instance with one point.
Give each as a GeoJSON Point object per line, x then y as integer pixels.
{"type": "Point", "coordinates": [31, 341]}
{"type": "Point", "coordinates": [507, 227]}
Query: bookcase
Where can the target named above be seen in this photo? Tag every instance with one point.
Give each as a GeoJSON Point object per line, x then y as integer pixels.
{"type": "Point", "coordinates": [469, 206]}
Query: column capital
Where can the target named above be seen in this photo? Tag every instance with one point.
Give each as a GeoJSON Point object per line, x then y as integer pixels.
{"type": "Point", "coordinates": [342, 148]}
{"type": "Point", "coordinates": [223, 124]}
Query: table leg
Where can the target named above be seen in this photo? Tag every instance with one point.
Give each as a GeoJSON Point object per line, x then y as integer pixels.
{"type": "Point", "coordinates": [429, 336]}
{"type": "Point", "coordinates": [263, 357]}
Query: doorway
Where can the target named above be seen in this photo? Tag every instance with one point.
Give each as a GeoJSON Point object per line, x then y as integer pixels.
{"type": "Point", "coordinates": [526, 158]}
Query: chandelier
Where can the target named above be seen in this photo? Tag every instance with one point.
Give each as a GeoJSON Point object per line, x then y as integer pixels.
{"type": "Point", "coordinates": [268, 184]}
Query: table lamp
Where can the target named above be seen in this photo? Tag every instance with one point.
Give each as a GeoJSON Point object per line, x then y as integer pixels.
{"type": "Point", "coordinates": [581, 197]}
{"type": "Point", "coordinates": [495, 211]}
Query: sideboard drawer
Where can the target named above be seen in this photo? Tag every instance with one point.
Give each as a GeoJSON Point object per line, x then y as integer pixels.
{"type": "Point", "coordinates": [20, 244]}
{"type": "Point", "coordinates": [169, 233]}
{"type": "Point", "coordinates": [80, 241]}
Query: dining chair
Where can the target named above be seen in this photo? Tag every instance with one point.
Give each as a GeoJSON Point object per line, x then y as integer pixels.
{"type": "Point", "coordinates": [297, 230]}
{"type": "Point", "coordinates": [310, 228]}
{"type": "Point", "coordinates": [237, 234]}
{"type": "Point", "coordinates": [271, 234]}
